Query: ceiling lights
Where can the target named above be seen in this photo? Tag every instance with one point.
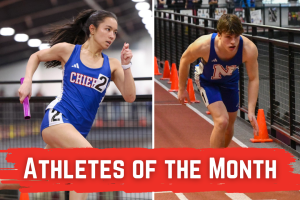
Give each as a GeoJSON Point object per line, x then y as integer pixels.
{"type": "Point", "coordinates": [146, 15]}
{"type": "Point", "coordinates": [7, 31]}
{"type": "Point", "coordinates": [34, 42]}
{"type": "Point", "coordinates": [142, 6]}
{"type": "Point", "coordinates": [21, 37]}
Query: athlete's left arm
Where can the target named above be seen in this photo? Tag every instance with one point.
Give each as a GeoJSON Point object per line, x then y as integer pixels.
{"type": "Point", "coordinates": [253, 84]}
{"type": "Point", "coordinates": [123, 77]}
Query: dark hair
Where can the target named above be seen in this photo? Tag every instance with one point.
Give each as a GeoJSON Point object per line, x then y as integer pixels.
{"type": "Point", "coordinates": [230, 23]}
{"type": "Point", "coordinates": [77, 31]}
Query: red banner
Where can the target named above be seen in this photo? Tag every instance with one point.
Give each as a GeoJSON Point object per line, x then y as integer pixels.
{"type": "Point", "coordinates": [180, 170]}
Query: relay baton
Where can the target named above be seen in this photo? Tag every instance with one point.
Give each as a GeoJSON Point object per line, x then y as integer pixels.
{"type": "Point", "coordinates": [26, 106]}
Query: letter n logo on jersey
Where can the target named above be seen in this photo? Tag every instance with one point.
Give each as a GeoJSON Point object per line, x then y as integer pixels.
{"type": "Point", "coordinates": [219, 70]}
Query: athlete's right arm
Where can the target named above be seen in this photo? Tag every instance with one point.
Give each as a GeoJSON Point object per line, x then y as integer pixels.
{"type": "Point", "coordinates": [193, 52]}
{"type": "Point", "coordinates": [57, 52]}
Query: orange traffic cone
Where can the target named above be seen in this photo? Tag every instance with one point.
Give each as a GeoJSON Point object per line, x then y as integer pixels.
{"type": "Point", "coordinates": [190, 89]}
{"type": "Point", "coordinates": [156, 72]}
{"type": "Point", "coordinates": [263, 132]}
{"type": "Point", "coordinates": [166, 75]}
{"type": "Point", "coordinates": [174, 79]}
{"type": "Point", "coordinates": [173, 65]}
{"type": "Point", "coordinates": [24, 196]}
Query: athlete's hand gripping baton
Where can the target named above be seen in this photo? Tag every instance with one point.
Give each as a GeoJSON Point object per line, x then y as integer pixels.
{"type": "Point", "coordinates": [26, 106]}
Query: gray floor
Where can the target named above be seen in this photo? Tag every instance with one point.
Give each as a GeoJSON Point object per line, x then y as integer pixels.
{"type": "Point", "coordinates": [243, 130]}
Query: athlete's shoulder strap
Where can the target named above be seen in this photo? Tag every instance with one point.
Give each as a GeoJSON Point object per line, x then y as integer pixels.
{"type": "Point", "coordinates": [240, 50]}
{"type": "Point", "coordinates": [73, 55]}
{"type": "Point", "coordinates": [212, 51]}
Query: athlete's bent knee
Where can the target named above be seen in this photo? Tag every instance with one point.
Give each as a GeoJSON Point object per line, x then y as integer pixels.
{"type": "Point", "coordinates": [222, 122]}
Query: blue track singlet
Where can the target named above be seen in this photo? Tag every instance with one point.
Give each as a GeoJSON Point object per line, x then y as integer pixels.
{"type": "Point", "coordinates": [218, 71]}
{"type": "Point", "coordinates": [83, 89]}
{"type": "Point", "coordinates": [217, 80]}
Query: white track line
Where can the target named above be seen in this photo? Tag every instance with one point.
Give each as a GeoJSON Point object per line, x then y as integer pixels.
{"type": "Point", "coordinates": [181, 196]}
{"type": "Point", "coordinates": [201, 114]}
{"type": "Point", "coordinates": [237, 196]}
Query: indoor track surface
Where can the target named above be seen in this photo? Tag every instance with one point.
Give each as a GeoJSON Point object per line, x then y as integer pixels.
{"type": "Point", "coordinates": [178, 126]}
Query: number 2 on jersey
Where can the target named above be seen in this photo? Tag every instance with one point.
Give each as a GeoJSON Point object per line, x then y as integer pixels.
{"type": "Point", "coordinates": [98, 86]}
{"type": "Point", "coordinates": [101, 83]}
{"type": "Point", "coordinates": [53, 119]}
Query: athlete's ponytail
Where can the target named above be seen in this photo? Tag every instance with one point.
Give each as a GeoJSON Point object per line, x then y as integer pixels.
{"type": "Point", "coordinates": [77, 31]}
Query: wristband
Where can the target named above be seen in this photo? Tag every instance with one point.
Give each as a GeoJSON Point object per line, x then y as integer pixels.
{"type": "Point", "coordinates": [126, 66]}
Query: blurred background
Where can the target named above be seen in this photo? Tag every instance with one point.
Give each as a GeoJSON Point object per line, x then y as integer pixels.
{"type": "Point", "coordinates": [23, 31]}
{"type": "Point", "coordinates": [24, 24]}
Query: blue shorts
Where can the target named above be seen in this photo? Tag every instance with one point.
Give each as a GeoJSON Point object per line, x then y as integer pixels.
{"type": "Point", "coordinates": [211, 93]}
{"type": "Point", "coordinates": [53, 117]}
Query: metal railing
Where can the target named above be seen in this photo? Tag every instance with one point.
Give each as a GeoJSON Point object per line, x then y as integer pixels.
{"type": "Point", "coordinates": [282, 15]}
